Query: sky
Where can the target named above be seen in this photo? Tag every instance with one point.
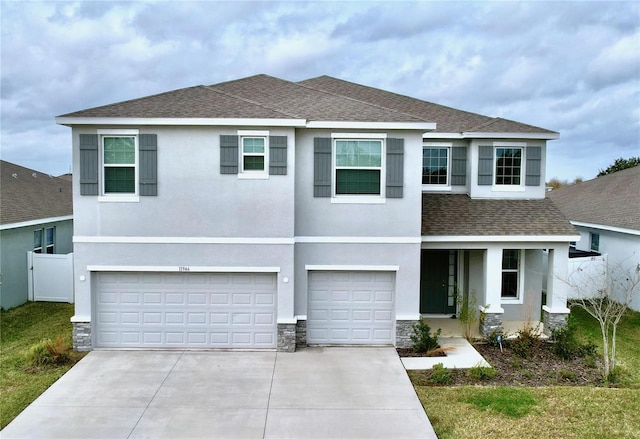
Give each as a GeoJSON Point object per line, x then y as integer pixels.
{"type": "Point", "coordinates": [572, 67]}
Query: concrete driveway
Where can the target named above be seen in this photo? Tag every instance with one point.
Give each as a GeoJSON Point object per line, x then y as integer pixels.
{"type": "Point", "coordinates": [313, 393]}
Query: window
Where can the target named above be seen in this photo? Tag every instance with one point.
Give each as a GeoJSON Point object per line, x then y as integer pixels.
{"type": "Point", "coordinates": [595, 242]}
{"type": "Point", "coordinates": [253, 154]}
{"type": "Point", "coordinates": [510, 273]}
{"type": "Point", "coordinates": [508, 166]}
{"type": "Point", "coordinates": [37, 241]}
{"type": "Point", "coordinates": [358, 167]}
{"type": "Point", "coordinates": [119, 164]}
{"type": "Point", "coordinates": [435, 166]}
{"type": "Point", "coordinates": [49, 238]}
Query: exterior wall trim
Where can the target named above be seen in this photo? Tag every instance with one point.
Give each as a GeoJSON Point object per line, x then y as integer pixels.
{"type": "Point", "coordinates": [180, 121]}
{"type": "Point", "coordinates": [179, 240]}
{"type": "Point", "coordinates": [352, 267]}
{"type": "Point", "coordinates": [605, 227]}
{"type": "Point", "coordinates": [35, 222]}
{"type": "Point", "coordinates": [182, 269]}
{"type": "Point", "coordinates": [373, 125]}
{"type": "Point", "coordinates": [357, 240]}
{"type": "Point", "coordinates": [475, 135]}
{"type": "Point", "coordinates": [502, 238]}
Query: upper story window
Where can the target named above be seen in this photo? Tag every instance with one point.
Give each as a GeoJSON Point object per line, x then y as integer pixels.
{"type": "Point", "coordinates": [358, 167]}
{"type": "Point", "coordinates": [435, 165]}
{"type": "Point", "coordinates": [508, 168]}
{"type": "Point", "coordinates": [511, 263]}
{"type": "Point", "coordinates": [253, 154]}
{"type": "Point", "coordinates": [119, 164]}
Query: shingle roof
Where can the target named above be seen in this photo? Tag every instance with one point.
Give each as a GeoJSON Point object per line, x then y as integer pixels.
{"type": "Point", "coordinates": [27, 195]}
{"type": "Point", "coordinates": [449, 120]}
{"type": "Point", "coordinates": [611, 200]}
{"type": "Point", "coordinates": [459, 215]}
{"type": "Point", "coordinates": [318, 99]}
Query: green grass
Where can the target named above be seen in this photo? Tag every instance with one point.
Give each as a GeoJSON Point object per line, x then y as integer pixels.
{"type": "Point", "coordinates": [20, 328]}
{"type": "Point", "coordinates": [562, 411]}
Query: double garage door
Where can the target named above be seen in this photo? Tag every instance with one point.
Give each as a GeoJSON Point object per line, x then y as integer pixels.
{"type": "Point", "coordinates": [351, 307]}
{"type": "Point", "coordinates": [185, 310]}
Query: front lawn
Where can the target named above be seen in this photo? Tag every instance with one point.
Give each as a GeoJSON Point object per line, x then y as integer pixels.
{"type": "Point", "coordinates": [20, 328]}
{"type": "Point", "coordinates": [518, 411]}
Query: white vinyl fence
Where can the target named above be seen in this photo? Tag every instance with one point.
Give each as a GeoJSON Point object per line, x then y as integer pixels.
{"type": "Point", "coordinates": [589, 274]}
{"type": "Point", "coordinates": [50, 277]}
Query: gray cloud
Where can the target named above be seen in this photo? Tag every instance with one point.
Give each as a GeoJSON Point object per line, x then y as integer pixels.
{"type": "Point", "coordinates": [569, 66]}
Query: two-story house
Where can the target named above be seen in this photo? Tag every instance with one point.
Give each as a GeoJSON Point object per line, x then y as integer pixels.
{"type": "Point", "coordinates": [258, 213]}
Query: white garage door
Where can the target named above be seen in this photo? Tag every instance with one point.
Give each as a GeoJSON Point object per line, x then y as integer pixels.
{"type": "Point", "coordinates": [350, 307]}
{"type": "Point", "coordinates": [185, 310]}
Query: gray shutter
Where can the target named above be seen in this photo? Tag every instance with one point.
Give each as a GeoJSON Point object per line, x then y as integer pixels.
{"type": "Point", "coordinates": [534, 160]}
{"type": "Point", "coordinates": [228, 154]}
{"type": "Point", "coordinates": [485, 165]}
{"type": "Point", "coordinates": [459, 166]}
{"type": "Point", "coordinates": [395, 168]}
{"type": "Point", "coordinates": [89, 164]}
{"type": "Point", "coordinates": [321, 167]}
{"type": "Point", "coordinates": [277, 155]}
{"type": "Point", "coordinates": [148, 146]}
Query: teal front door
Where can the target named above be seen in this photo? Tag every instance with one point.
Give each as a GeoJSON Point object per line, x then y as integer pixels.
{"type": "Point", "coordinates": [437, 282]}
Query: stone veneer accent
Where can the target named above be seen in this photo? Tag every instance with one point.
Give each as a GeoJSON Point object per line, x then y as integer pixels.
{"type": "Point", "coordinates": [490, 323]}
{"type": "Point", "coordinates": [404, 329]}
{"type": "Point", "coordinates": [81, 336]}
{"type": "Point", "coordinates": [553, 321]}
{"type": "Point", "coordinates": [286, 337]}
{"type": "Point", "coordinates": [301, 334]}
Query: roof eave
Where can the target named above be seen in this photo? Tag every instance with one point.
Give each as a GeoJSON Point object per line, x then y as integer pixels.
{"type": "Point", "coordinates": [179, 121]}
{"type": "Point", "coordinates": [500, 238]}
{"type": "Point", "coordinates": [372, 125]}
{"type": "Point", "coordinates": [482, 135]}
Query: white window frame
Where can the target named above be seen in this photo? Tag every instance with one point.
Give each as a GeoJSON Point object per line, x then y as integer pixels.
{"type": "Point", "coordinates": [438, 145]}
{"type": "Point", "coordinates": [591, 235]}
{"type": "Point", "coordinates": [522, 146]}
{"type": "Point", "coordinates": [519, 299]}
{"type": "Point", "coordinates": [355, 198]}
{"type": "Point", "coordinates": [119, 196]}
{"type": "Point", "coordinates": [252, 173]}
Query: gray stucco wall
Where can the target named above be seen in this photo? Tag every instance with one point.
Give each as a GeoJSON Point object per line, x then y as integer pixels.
{"type": "Point", "coordinates": [13, 258]}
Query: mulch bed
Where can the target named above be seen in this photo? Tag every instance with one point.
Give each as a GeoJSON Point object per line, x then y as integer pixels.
{"type": "Point", "coordinates": [541, 368]}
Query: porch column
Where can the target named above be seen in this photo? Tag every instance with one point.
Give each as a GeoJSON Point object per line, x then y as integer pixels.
{"type": "Point", "coordinates": [491, 310]}
{"type": "Point", "coordinates": [555, 312]}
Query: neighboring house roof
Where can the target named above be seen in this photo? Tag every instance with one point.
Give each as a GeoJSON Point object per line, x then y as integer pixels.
{"type": "Point", "coordinates": [611, 200]}
{"type": "Point", "coordinates": [459, 215]}
{"type": "Point", "coordinates": [319, 99]}
{"type": "Point", "coordinates": [28, 195]}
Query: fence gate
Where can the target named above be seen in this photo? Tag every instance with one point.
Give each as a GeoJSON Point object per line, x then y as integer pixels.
{"type": "Point", "coordinates": [50, 277]}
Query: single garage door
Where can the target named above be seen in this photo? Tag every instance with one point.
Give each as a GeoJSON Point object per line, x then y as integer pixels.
{"type": "Point", "coordinates": [351, 307]}
{"type": "Point", "coordinates": [185, 310]}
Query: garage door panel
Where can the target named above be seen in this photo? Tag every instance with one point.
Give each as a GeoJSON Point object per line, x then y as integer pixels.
{"type": "Point", "coordinates": [186, 310]}
{"type": "Point", "coordinates": [351, 308]}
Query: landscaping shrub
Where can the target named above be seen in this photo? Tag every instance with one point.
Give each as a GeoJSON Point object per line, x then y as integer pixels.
{"type": "Point", "coordinates": [50, 352]}
{"type": "Point", "coordinates": [527, 341]}
{"type": "Point", "coordinates": [566, 344]}
{"type": "Point", "coordinates": [492, 338]}
{"type": "Point", "coordinates": [482, 373]}
{"type": "Point", "coordinates": [440, 374]}
{"type": "Point", "coordinates": [422, 339]}
{"type": "Point", "coordinates": [564, 375]}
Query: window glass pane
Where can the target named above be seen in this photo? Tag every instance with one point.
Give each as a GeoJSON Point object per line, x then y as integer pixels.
{"type": "Point", "coordinates": [37, 239]}
{"type": "Point", "coordinates": [49, 240]}
{"type": "Point", "coordinates": [253, 163]}
{"type": "Point", "coordinates": [595, 242]}
{"type": "Point", "coordinates": [510, 259]}
{"type": "Point", "coordinates": [119, 180]}
{"type": "Point", "coordinates": [357, 182]}
{"type": "Point", "coordinates": [508, 165]}
{"type": "Point", "coordinates": [119, 151]}
{"type": "Point", "coordinates": [253, 145]}
{"type": "Point", "coordinates": [359, 153]}
{"type": "Point", "coordinates": [510, 284]}
{"type": "Point", "coordinates": [435, 163]}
